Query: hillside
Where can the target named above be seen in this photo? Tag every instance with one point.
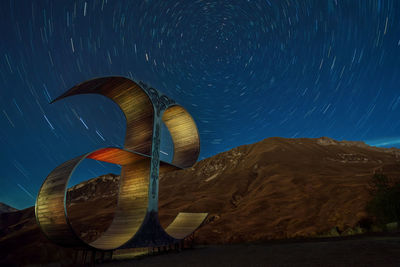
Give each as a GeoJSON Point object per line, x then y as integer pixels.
{"type": "Point", "coordinates": [277, 188]}
{"type": "Point", "coordinates": [4, 208]}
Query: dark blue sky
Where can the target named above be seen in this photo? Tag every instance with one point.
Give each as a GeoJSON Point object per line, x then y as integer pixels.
{"type": "Point", "coordinates": [245, 70]}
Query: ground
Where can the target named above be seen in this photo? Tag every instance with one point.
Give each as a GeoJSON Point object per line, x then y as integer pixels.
{"type": "Point", "coordinates": [375, 250]}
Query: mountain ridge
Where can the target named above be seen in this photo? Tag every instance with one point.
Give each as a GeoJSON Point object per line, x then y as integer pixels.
{"type": "Point", "coordinates": [5, 208]}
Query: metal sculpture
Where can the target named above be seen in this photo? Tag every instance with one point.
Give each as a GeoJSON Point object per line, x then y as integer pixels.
{"type": "Point", "coordinates": [135, 222]}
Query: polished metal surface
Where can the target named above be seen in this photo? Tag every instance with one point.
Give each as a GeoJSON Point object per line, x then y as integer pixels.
{"type": "Point", "coordinates": [135, 221]}
{"type": "Point", "coordinates": [185, 223]}
{"type": "Point", "coordinates": [184, 135]}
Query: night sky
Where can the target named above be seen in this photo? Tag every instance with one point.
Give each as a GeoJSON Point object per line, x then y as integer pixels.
{"type": "Point", "coordinates": [245, 70]}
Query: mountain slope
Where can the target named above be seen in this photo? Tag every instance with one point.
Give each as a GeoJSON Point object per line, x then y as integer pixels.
{"type": "Point", "coordinates": [276, 188]}
{"type": "Point", "coordinates": [4, 208]}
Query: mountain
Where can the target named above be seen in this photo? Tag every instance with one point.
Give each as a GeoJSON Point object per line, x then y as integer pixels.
{"type": "Point", "coordinates": [278, 188]}
{"type": "Point", "coordinates": [274, 189]}
{"type": "Point", "coordinates": [4, 208]}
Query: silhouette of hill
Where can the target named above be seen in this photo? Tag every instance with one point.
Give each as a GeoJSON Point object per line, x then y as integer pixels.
{"type": "Point", "coordinates": [4, 208]}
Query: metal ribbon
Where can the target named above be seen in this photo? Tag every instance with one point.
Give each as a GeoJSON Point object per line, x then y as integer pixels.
{"type": "Point", "coordinates": [135, 223]}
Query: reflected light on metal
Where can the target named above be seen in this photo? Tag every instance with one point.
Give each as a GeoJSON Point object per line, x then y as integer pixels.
{"type": "Point", "coordinates": [135, 221]}
{"type": "Point", "coordinates": [184, 135]}
{"type": "Point", "coordinates": [184, 224]}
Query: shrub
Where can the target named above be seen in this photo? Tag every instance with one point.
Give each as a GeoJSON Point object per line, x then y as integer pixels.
{"type": "Point", "coordinates": [384, 205]}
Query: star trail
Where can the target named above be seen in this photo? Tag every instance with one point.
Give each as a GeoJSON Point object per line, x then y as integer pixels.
{"type": "Point", "coordinates": [245, 70]}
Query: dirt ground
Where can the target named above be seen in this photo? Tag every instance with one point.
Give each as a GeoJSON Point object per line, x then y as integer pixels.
{"type": "Point", "coordinates": [383, 250]}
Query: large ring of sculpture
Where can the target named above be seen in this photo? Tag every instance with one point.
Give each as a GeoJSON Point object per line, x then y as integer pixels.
{"type": "Point", "coordinates": [135, 221]}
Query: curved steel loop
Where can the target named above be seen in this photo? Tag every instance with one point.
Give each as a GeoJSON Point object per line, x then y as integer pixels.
{"type": "Point", "coordinates": [136, 218]}
{"type": "Point", "coordinates": [52, 214]}
{"type": "Point", "coordinates": [185, 135]}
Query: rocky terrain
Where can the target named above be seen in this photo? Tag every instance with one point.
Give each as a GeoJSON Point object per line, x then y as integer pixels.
{"type": "Point", "coordinates": [275, 189]}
